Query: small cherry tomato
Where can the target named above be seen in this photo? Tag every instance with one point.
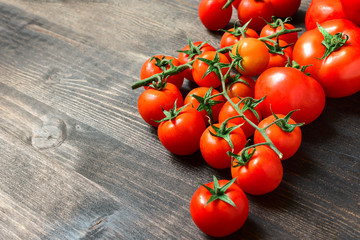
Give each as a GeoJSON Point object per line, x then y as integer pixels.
{"type": "Point", "coordinates": [212, 14]}
{"type": "Point", "coordinates": [285, 8]}
{"type": "Point", "coordinates": [242, 86]}
{"type": "Point", "coordinates": [275, 26]}
{"type": "Point", "coordinates": [262, 172]}
{"type": "Point", "coordinates": [280, 55]}
{"type": "Point", "coordinates": [256, 11]}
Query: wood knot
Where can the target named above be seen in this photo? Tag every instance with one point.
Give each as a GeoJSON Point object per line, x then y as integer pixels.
{"type": "Point", "coordinates": [51, 134]}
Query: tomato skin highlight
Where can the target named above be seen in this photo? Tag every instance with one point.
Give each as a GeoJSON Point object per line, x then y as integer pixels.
{"type": "Point", "coordinates": [151, 100]}
{"type": "Point", "coordinates": [218, 218]}
{"type": "Point", "coordinates": [181, 135]}
{"type": "Point", "coordinates": [288, 89]}
{"type": "Point", "coordinates": [262, 174]}
{"type": "Point", "coordinates": [286, 142]}
{"type": "Point", "coordinates": [339, 73]}
{"type": "Point", "coordinates": [214, 149]}
{"type": "Point", "coordinates": [149, 68]}
{"type": "Point", "coordinates": [211, 14]}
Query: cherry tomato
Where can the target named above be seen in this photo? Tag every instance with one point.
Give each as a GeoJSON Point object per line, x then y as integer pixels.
{"type": "Point", "coordinates": [151, 102]}
{"type": "Point", "coordinates": [236, 3]}
{"type": "Point", "coordinates": [290, 38]}
{"type": "Point", "coordinates": [213, 105]}
{"type": "Point", "coordinates": [212, 16]}
{"type": "Point", "coordinates": [152, 67]}
{"type": "Point", "coordinates": [228, 111]}
{"type": "Point", "coordinates": [257, 11]}
{"type": "Point", "coordinates": [286, 142]}
{"type": "Point", "coordinates": [262, 173]}
{"type": "Point", "coordinates": [339, 72]}
{"type": "Point", "coordinates": [214, 149]}
{"type": "Point", "coordinates": [280, 59]}
{"type": "Point", "coordinates": [184, 58]}
{"type": "Point", "coordinates": [243, 87]}
{"type": "Point", "coordinates": [288, 89]}
{"type": "Point", "coordinates": [219, 218]}
{"type": "Point", "coordinates": [181, 135]}
{"type": "Point", "coordinates": [285, 8]}
{"type": "Point", "coordinates": [200, 67]}
{"type": "Point", "coordinates": [255, 56]}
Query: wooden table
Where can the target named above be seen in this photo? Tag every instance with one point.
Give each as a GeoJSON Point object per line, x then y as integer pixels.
{"type": "Point", "coordinates": [78, 162]}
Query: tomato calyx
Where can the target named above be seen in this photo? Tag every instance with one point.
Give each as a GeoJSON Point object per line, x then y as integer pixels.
{"type": "Point", "coordinates": [276, 48]}
{"type": "Point", "coordinates": [238, 31]}
{"type": "Point", "coordinates": [218, 193]}
{"type": "Point", "coordinates": [193, 50]}
{"type": "Point", "coordinates": [224, 132]}
{"type": "Point", "coordinates": [162, 63]}
{"type": "Point", "coordinates": [172, 113]}
{"type": "Point", "coordinates": [277, 22]}
{"type": "Point", "coordinates": [284, 124]}
{"type": "Point", "coordinates": [214, 65]}
{"type": "Point", "coordinates": [243, 158]}
{"type": "Point", "coordinates": [206, 102]}
{"type": "Point", "coordinates": [295, 65]}
{"type": "Point", "coordinates": [332, 42]}
{"type": "Point", "coordinates": [237, 59]}
{"type": "Point", "coordinates": [250, 104]}
{"type": "Point", "coordinates": [235, 79]}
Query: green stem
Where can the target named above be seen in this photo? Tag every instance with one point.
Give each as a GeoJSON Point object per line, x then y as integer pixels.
{"type": "Point", "coordinates": [281, 32]}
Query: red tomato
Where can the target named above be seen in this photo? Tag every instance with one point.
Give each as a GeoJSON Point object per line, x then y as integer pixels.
{"type": "Point", "coordinates": [261, 174]}
{"type": "Point", "coordinates": [219, 218]}
{"type": "Point", "coordinates": [181, 135]}
{"type": "Point", "coordinates": [200, 67]}
{"type": "Point", "coordinates": [214, 149]}
{"type": "Point", "coordinates": [255, 56]}
{"type": "Point", "coordinates": [228, 111]}
{"type": "Point", "coordinates": [236, 3]}
{"type": "Point", "coordinates": [290, 38]}
{"type": "Point", "coordinates": [352, 10]}
{"type": "Point", "coordinates": [288, 89]}
{"type": "Point", "coordinates": [243, 87]}
{"type": "Point", "coordinates": [151, 102]}
{"type": "Point", "coordinates": [323, 10]}
{"type": "Point", "coordinates": [213, 105]}
{"type": "Point", "coordinates": [280, 59]}
{"type": "Point", "coordinates": [339, 72]}
{"type": "Point", "coordinates": [257, 11]}
{"type": "Point", "coordinates": [150, 68]}
{"type": "Point", "coordinates": [212, 16]}
{"type": "Point", "coordinates": [184, 57]}
{"type": "Point", "coordinates": [285, 8]}
{"type": "Point", "coordinates": [286, 142]}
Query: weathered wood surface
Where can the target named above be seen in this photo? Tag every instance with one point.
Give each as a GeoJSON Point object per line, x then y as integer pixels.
{"type": "Point", "coordinates": [78, 162]}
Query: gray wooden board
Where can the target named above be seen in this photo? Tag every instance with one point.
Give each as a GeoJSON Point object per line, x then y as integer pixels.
{"type": "Point", "coordinates": [78, 162]}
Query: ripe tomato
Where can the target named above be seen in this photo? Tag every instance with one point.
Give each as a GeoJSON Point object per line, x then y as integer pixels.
{"type": "Point", "coordinates": [151, 102]}
{"type": "Point", "coordinates": [287, 142]}
{"type": "Point", "coordinates": [212, 16]}
{"type": "Point", "coordinates": [255, 56]}
{"type": "Point", "coordinates": [214, 148]}
{"type": "Point", "coordinates": [244, 86]}
{"type": "Point", "coordinates": [181, 134]}
{"type": "Point", "coordinates": [339, 72]}
{"type": "Point", "coordinates": [200, 68]}
{"type": "Point", "coordinates": [285, 8]}
{"type": "Point", "coordinates": [257, 11]}
{"type": "Point", "coordinates": [188, 53]}
{"type": "Point", "coordinates": [236, 3]}
{"type": "Point", "coordinates": [262, 173]}
{"type": "Point", "coordinates": [278, 59]}
{"type": "Point", "coordinates": [288, 89]}
{"type": "Point", "coordinates": [218, 218]}
{"type": "Point", "coordinates": [228, 111]}
{"type": "Point", "coordinates": [290, 38]}
{"type": "Point", "coordinates": [156, 65]}
{"type": "Point", "coordinates": [233, 35]}
{"type": "Point", "coordinates": [352, 10]}
{"type": "Point", "coordinates": [209, 108]}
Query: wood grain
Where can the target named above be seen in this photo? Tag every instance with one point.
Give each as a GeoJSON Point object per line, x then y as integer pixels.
{"type": "Point", "coordinates": [78, 162]}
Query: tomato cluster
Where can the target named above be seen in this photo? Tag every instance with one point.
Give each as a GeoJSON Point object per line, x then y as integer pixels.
{"type": "Point", "coordinates": [248, 89]}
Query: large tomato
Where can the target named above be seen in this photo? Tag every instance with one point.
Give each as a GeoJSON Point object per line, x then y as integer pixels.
{"type": "Point", "coordinates": [256, 11]}
{"type": "Point", "coordinates": [189, 52]}
{"type": "Point", "coordinates": [352, 10]}
{"type": "Point", "coordinates": [261, 174]}
{"type": "Point", "coordinates": [181, 133]}
{"type": "Point", "coordinates": [228, 111]}
{"type": "Point", "coordinates": [212, 14]}
{"type": "Point", "coordinates": [201, 99]}
{"type": "Point", "coordinates": [285, 8]}
{"type": "Point", "coordinates": [220, 217]}
{"type": "Point", "coordinates": [201, 65]}
{"type": "Point", "coordinates": [288, 89]}
{"type": "Point", "coordinates": [214, 148]}
{"type": "Point", "coordinates": [158, 64]}
{"type": "Point", "coordinates": [254, 56]}
{"type": "Point", "coordinates": [339, 72]}
{"type": "Point", "coordinates": [285, 135]}
{"type": "Point", "coordinates": [152, 102]}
